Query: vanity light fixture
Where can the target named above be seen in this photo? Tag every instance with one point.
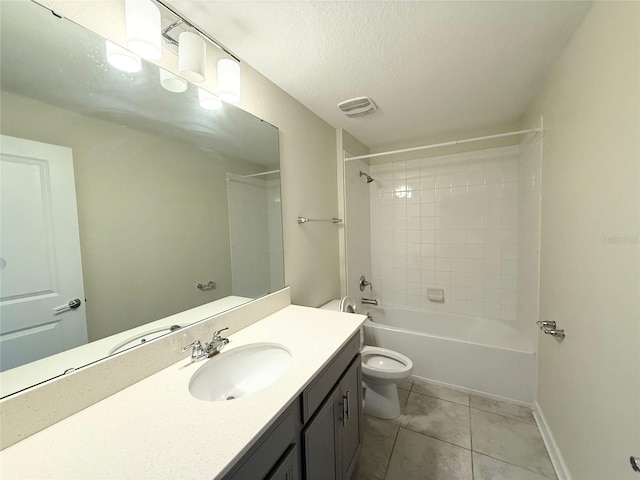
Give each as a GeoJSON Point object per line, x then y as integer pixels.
{"type": "Point", "coordinates": [122, 59]}
{"type": "Point", "coordinates": [171, 82]}
{"type": "Point", "coordinates": [142, 20]}
{"type": "Point", "coordinates": [208, 100]}
{"type": "Point", "coordinates": [192, 56]}
{"type": "Point", "coordinates": [192, 46]}
{"type": "Point", "coordinates": [229, 80]}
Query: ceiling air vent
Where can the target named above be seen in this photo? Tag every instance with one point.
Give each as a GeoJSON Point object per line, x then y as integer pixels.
{"type": "Point", "coordinates": [358, 107]}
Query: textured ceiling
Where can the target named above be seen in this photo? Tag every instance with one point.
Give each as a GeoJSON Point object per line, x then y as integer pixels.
{"type": "Point", "coordinates": [432, 67]}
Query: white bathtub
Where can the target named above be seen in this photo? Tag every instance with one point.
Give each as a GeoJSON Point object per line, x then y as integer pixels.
{"type": "Point", "coordinates": [479, 355]}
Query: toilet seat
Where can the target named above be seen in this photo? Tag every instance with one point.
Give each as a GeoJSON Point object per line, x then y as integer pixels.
{"type": "Point", "coordinates": [384, 364]}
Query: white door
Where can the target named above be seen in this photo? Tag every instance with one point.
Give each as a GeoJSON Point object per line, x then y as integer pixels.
{"type": "Point", "coordinates": [40, 266]}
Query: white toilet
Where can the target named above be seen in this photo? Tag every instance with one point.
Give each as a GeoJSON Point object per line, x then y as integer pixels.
{"type": "Point", "coordinates": [382, 369]}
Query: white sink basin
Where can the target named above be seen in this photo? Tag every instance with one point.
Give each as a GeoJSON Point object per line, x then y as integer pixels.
{"type": "Point", "coordinates": [239, 372]}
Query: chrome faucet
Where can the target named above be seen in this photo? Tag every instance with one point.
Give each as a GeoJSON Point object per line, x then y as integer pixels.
{"type": "Point", "coordinates": [200, 352]}
{"type": "Point", "coordinates": [370, 301]}
{"type": "Point", "coordinates": [216, 343]}
{"type": "Point", "coordinates": [197, 352]}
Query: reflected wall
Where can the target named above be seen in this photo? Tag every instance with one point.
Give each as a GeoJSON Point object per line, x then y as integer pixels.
{"type": "Point", "coordinates": [152, 213]}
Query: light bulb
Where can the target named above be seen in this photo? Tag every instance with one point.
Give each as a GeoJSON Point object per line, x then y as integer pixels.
{"type": "Point", "coordinates": [208, 100]}
{"type": "Point", "coordinates": [121, 58]}
{"type": "Point", "coordinates": [229, 80]}
{"type": "Point", "coordinates": [142, 19]}
{"type": "Point", "coordinates": [172, 82]}
{"type": "Point", "coordinates": [192, 56]}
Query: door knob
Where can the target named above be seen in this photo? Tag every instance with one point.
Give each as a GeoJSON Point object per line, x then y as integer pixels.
{"type": "Point", "coordinates": [72, 304]}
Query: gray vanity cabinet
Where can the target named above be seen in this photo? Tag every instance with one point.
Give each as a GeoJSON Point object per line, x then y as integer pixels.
{"type": "Point", "coordinates": [275, 456]}
{"type": "Point", "coordinates": [288, 468]}
{"type": "Point", "coordinates": [321, 442]}
{"type": "Point", "coordinates": [350, 428]}
{"type": "Point", "coordinates": [319, 435]}
{"type": "Point", "coordinates": [331, 440]}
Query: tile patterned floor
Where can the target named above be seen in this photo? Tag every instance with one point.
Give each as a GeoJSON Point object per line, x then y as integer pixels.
{"type": "Point", "coordinates": [445, 434]}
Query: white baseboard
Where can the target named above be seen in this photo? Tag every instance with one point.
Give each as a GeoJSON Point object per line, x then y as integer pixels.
{"type": "Point", "coordinates": [562, 471]}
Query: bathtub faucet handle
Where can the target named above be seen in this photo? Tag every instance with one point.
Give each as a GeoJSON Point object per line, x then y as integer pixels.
{"type": "Point", "coordinates": [364, 283]}
{"type": "Point", "coordinates": [554, 332]}
{"type": "Point", "coordinates": [546, 324]}
{"type": "Point", "coordinates": [370, 301]}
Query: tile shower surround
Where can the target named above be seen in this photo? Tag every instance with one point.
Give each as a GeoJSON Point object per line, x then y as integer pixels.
{"type": "Point", "coordinates": [255, 229]}
{"type": "Point", "coordinates": [448, 222]}
{"type": "Point", "coordinates": [529, 233]}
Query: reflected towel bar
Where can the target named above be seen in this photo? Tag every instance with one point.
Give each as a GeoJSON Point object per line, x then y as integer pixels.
{"type": "Point", "coordinates": [206, 286]}
{"type": "Point", "coordinates": [302, 220]}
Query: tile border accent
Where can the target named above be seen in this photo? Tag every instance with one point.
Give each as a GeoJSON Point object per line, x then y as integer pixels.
{"type": "Point", "coordinates": [557, 460]}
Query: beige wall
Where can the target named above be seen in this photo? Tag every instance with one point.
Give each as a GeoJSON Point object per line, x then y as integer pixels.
{"type": "Point", "coordinates": [309, 189]}
{"type": "Point", "coordinates": [152, 212]}
{"type": "Point", "coordinates": [351, 144]}
{"type": "Point", "coordinates": [589, 384]}
{"type": "Point", "coordinates": [307, 160]}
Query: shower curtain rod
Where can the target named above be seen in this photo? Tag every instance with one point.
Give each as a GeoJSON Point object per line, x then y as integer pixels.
{"type": "Point", "coordinates": [445, 144]}
{"type": "Point", "coordinates": [254, 175]}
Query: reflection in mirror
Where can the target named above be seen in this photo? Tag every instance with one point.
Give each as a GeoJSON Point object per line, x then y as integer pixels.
{"type": "Point", "coordinates": [149, 210]}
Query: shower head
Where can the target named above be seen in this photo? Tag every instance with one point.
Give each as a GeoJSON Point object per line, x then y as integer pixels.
{"type": "Point", "coordinates": [369, 179]}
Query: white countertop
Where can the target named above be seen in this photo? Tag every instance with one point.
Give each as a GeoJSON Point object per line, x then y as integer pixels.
{"type": "Point", "coordinates": [32, 373]}
{"type": "Point", "coordinates": [156, 429]}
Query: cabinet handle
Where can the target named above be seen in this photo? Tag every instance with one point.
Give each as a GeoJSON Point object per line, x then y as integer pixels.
{"type": "Point", "coordinates": [345, 409]}
{"type": "Point", "coordinates": [348, 409]}
{"type": "Point", "coordinates": [344, 412]}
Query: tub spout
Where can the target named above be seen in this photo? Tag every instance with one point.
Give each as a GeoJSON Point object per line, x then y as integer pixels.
{"type": "Point", "coordinates": [369, 301]}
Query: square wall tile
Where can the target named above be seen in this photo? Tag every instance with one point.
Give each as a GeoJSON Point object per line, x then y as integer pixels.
{"type": "Point", "coordinates": [458, 265]}
{"type": "Point", "coordinates": [466, 222]}
{"type": "Point", "coordinates": [443, 264]}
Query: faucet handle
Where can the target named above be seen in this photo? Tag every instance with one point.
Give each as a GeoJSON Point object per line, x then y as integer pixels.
{"type": "Point", "coordinates": [216, 334]}
{"type": "Point", "coordinates": [195, 344]}
{"type": "Point", "coordinates": [546, 324]}
{"type": "Point", "coordinates": [197, 351]}
{"type": "Point", "coordinates": [364, 283]}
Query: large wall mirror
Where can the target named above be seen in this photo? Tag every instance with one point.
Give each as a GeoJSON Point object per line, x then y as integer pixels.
{"type": "Point", "coordinates": [132, 199]}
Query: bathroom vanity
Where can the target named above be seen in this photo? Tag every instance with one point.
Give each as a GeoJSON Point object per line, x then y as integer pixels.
{"type": "Point", "coordinates": [306, 424]}
{"type": "Point", "coordinates": [320, 433]}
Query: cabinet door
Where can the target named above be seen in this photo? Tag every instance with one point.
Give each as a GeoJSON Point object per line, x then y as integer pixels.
{"type": "Point", "coordinates": [321, 461]}
{"type": "Point", "coordinates": [333, 437]}
{"type": "Point", "coordinates": [269, 451]}
{"type": "Point", "coordinates": [287, 467]}
{"type": "Point", "coordinates": [350, 430]}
